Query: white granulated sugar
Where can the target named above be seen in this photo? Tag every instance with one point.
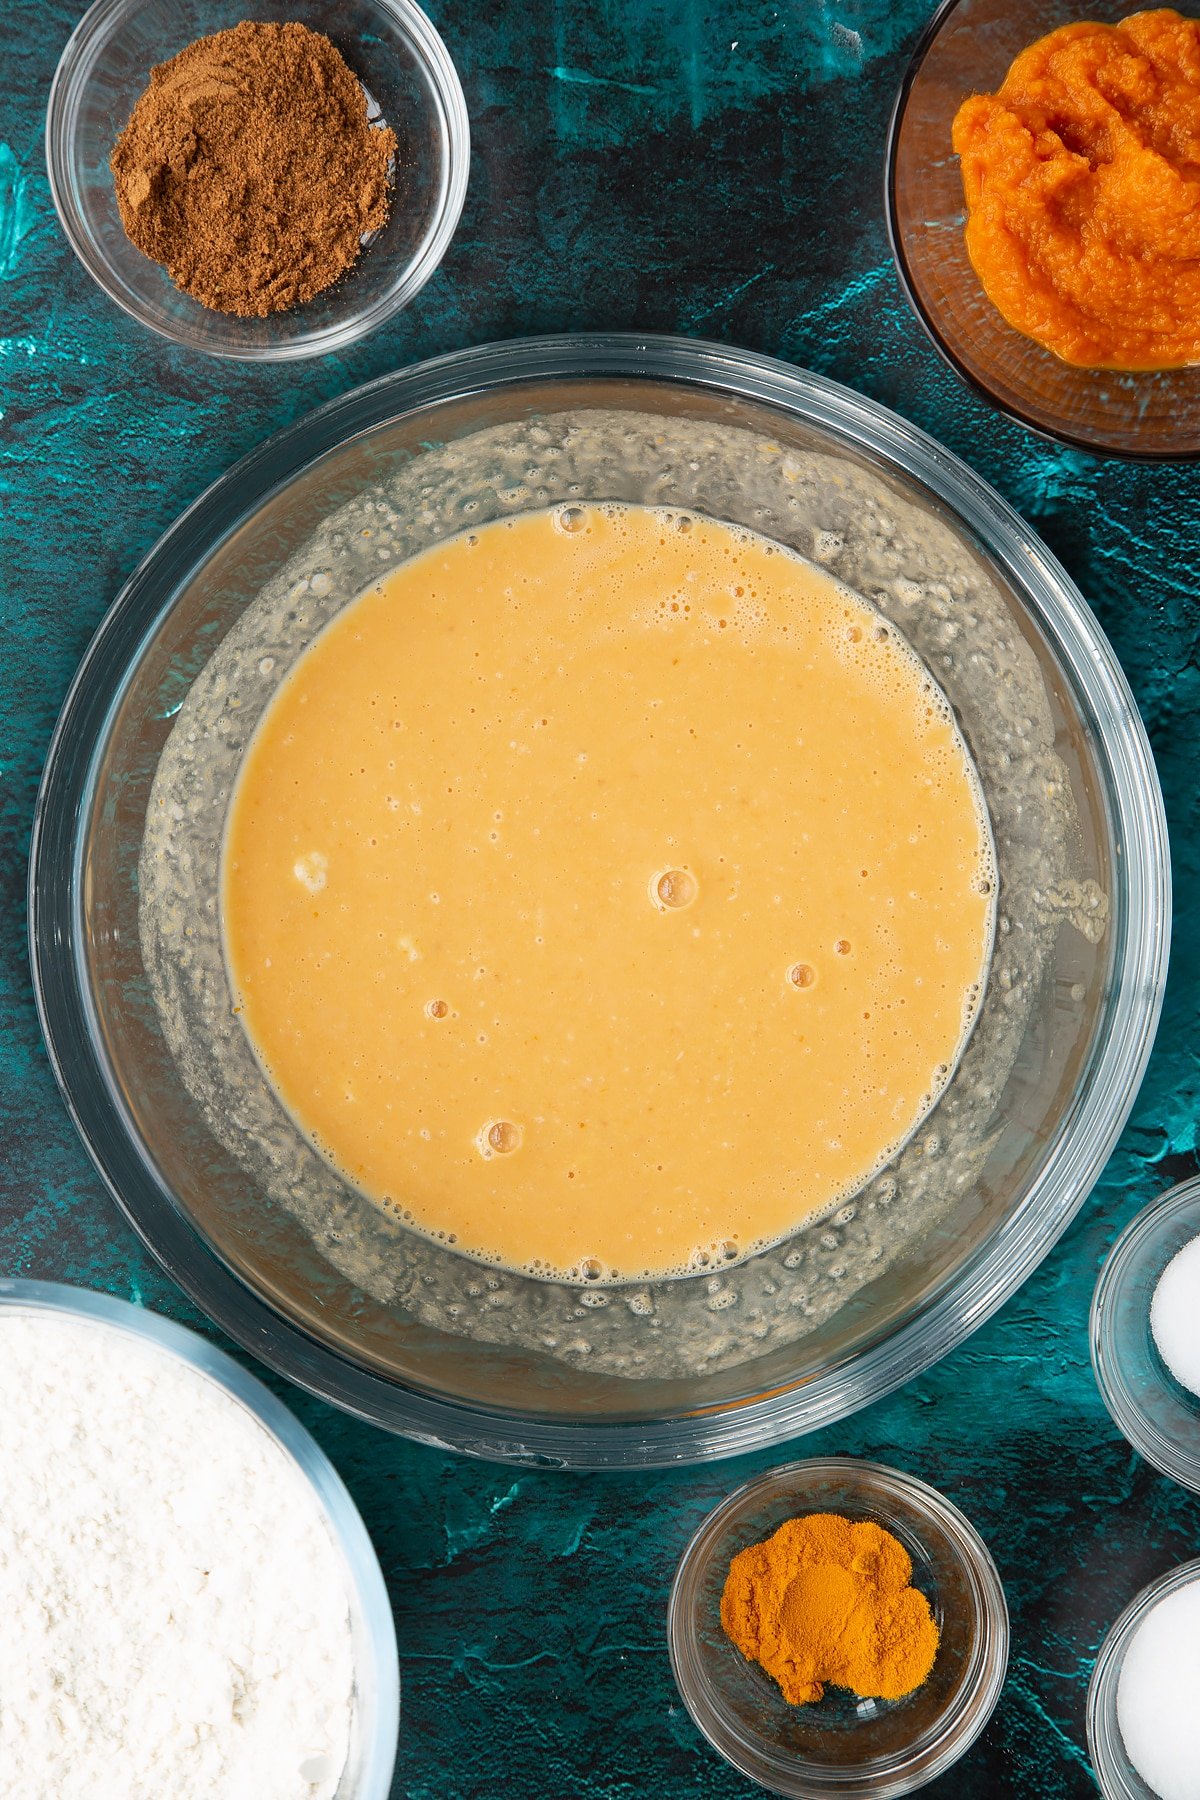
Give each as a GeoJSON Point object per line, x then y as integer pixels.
{"type": "Point", "coordinates": [1175, 1316]}
{"type": "Point", "coordinates": [1156, 1696]}
{"type": "Point", "coordinates": [174, 1622]}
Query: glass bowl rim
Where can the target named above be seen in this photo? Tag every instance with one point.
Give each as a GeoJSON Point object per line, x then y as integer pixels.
{"type": "Point", "coordinates": [69, 82]}
{"type": "Point", "coordinates": [320, 1477]}
{"type": "Point", "coordinates": [1101, 1706]}
{"type": "Point", "coordinates": [1161, 1453]}
{"type": "Point", "coordinates": [930, 32]}
{"type": "Point", "coordinates": [1089, 1127]}
{"type": "Point", "coordinates": [971, 1708]}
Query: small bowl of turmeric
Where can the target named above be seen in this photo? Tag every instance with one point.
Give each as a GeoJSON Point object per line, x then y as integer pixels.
{"type": "Point", "coordinates": [1040, 194]}
{"type": "Point", "coordinates": [838, 1628]}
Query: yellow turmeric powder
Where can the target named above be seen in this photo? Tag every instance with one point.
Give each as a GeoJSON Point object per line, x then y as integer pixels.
{"type": "Point", "coordinates": [828, 1600]}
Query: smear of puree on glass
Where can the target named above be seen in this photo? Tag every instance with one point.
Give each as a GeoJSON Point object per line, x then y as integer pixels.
{"type": "Point", "coordinates": [1082, 183]}
{"type": "Point", "coordinates": [606, 891]}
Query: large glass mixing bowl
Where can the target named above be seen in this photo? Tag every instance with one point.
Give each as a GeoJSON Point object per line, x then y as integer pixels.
{"type": "Point", "coordinates": [353, 1304]}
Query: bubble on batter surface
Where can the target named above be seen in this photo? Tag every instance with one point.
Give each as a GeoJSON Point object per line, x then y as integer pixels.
{"type": "Point", "coordinates": [673, 889]}
{"type": "Point", "coordinates": [499, 1137]}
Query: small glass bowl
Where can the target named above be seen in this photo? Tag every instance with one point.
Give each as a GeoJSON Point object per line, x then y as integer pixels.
{"type": "Point", "coordinates": [967, 48]}
{"type": "Point", "coordinates": [855, 1749]}
{"type": "Point", "coordinates": [1116, 1775]}
{"type": "Point", "coordinates": [407, 74]}
{"type": "Point", "coordinates": [376, 1716]}
{"type": "Point", "coordinates": [1160, 1418]}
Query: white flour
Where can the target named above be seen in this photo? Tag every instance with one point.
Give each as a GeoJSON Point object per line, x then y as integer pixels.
{"type": "Point", "coordinates": [173, 1616]}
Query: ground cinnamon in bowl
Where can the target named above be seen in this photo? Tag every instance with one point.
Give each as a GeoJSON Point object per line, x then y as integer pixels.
{"type": "Point", "coordinates": [827, 1601]}
{"type": "Point", "coordinates": [249, 168]}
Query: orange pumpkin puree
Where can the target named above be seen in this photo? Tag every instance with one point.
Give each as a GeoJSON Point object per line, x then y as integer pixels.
{"type": "Point", "coordinates": [1082, 181]}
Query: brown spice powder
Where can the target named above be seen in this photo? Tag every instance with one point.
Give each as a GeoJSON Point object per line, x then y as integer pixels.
{"type": "Point", "coordinates": [248, 168]}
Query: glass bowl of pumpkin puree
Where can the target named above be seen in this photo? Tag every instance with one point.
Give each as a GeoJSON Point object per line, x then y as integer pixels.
{"type": "Point", "coordinates": [600, 901]}
{"type": "Point", "coordinates": [840, 1741]}
{"type": "Point", "coordinates": [1074, 308]}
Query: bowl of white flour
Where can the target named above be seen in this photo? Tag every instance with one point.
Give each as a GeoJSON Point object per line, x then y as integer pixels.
{"type": "Point", "coordinates": [191, 1602]}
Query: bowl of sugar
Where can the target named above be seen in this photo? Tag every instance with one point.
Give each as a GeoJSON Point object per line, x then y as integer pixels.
{"type": "Point", "coordinates": [1142, 1725]}
{"type": "Point", "coordinates": [1145, 1333]}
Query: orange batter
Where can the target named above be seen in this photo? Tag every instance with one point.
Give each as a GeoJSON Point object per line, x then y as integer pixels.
{"type": "Point", "coordinates": [1082, 181]}
{"type": "Point", "coordinates": [606, 891]}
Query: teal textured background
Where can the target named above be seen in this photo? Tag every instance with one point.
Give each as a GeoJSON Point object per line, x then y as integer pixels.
{"type": "Point", "coordinates": [654, 165]}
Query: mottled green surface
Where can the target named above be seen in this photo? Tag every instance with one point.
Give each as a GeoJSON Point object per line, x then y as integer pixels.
{"type": "Point", "coordinates": [655, 165]}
